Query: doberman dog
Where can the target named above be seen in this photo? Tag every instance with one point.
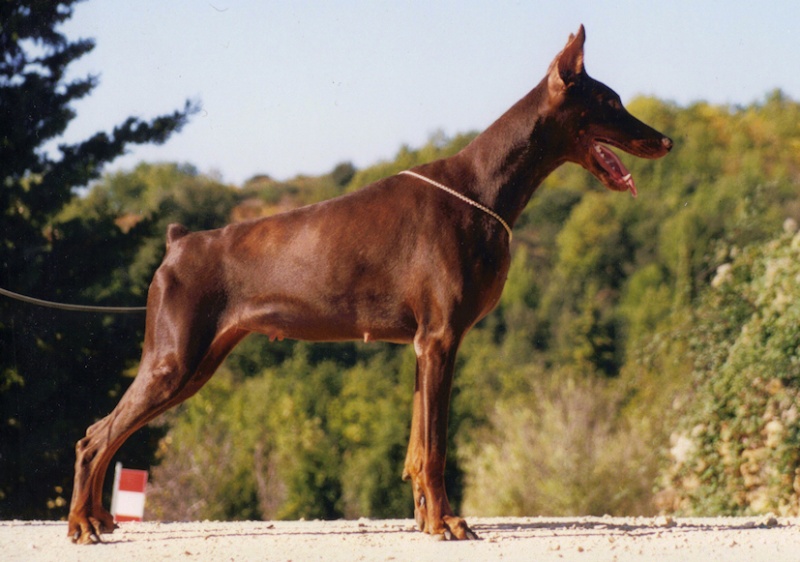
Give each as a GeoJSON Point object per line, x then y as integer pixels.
{"type": "Point", "coordinates": [418, 257]}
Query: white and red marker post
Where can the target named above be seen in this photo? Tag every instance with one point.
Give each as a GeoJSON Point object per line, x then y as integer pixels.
{"type": "Point", "coordinates": [127, 499]}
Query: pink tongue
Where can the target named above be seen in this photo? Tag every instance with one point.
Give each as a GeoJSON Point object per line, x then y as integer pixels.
{"type": "Point", "coordinates": [614, 166]}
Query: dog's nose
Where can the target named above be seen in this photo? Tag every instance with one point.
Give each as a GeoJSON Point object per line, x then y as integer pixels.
{"type": "Point", "coordinates": [667, 142]}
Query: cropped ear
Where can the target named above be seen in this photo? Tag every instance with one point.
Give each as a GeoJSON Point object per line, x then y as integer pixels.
{"type": "Point", "coordinates": [568, 64]}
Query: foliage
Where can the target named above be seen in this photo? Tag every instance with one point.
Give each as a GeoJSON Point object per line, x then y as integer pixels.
{"type": "Point", "coordinates": [313, 440]}
{"type": "Point", "coordinates": [566, 393]}
{"type": "Point", "coordinates": [737, 450]}
{"type": "Point", "coordinates": [56, 374]}
{"type": "Point", "coordinates": [621, 320]}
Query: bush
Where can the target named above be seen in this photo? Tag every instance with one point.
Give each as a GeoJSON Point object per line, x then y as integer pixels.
{"type": "Point", "coordinates": [562, 450]}
{"type": "Point", "coordinates": [737, 449]}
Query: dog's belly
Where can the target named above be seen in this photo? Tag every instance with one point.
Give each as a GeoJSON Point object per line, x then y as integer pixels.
{"type": "Point", "coordinates": [332, 321]}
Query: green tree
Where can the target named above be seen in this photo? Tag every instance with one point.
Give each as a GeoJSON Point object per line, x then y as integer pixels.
{"type": "Point", "coordinates": [57, 370]}
{"type": "Point", "coordinates": [142, 203]}
{"type": "Point", "coordinates": [592, 260]}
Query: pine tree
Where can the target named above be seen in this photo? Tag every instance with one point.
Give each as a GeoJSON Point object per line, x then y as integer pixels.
{"type": "Point", "coordinates": [57, 370]}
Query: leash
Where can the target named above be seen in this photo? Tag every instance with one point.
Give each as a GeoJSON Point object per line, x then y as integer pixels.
{"type": "Point", "coordinates": [72, 307]}
{"type": "Point", "coordinates": [464, 198]}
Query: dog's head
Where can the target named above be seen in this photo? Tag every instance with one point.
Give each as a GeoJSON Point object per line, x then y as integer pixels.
{"type": "Point", "coordinates": [593, 118]}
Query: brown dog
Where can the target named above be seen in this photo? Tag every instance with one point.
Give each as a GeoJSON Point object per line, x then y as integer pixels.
{"type": "Point", "coordinates": [418, 257]}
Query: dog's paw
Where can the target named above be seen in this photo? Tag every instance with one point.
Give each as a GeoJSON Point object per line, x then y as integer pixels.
{"type": "Point", "coordinates": [455, 528]}
{"type": "Point", "coordinates": [87, 530]}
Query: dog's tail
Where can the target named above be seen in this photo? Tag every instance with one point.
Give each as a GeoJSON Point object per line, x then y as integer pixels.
{"type": "Point", "coordinates": [175, 232]}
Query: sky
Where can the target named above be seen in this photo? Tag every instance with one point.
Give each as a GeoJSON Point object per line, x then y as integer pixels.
{"type": "Point", "coordinates": [296, 87]}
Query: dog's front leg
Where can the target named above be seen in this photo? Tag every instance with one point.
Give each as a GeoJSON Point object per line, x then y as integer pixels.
{"type": "Point", "coordinates": [425, 460]}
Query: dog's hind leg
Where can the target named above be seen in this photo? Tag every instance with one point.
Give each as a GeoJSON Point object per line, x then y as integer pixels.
{"type": "Point", "coordinates": [425, 460]}
{"type": "Point", "coordinates": [179, 356]}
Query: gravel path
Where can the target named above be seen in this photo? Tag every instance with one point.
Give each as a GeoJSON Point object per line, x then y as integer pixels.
{"type": "Point", "coordinates": [587, 539]}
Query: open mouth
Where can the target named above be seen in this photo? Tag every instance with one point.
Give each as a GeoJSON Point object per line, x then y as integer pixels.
{"type": "Point", "coordinates": [618, 174]}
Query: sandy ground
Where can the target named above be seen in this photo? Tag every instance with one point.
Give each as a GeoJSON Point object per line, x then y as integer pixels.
{"type": "Point", "coordinates": [542, 539]}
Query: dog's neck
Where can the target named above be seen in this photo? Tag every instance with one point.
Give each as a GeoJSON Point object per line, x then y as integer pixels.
{"type": "Point", "coordinates": [512, 157]}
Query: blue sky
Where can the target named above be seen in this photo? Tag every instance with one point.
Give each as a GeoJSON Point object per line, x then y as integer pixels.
{"type": "Point", "coordinates": [297, 87]}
